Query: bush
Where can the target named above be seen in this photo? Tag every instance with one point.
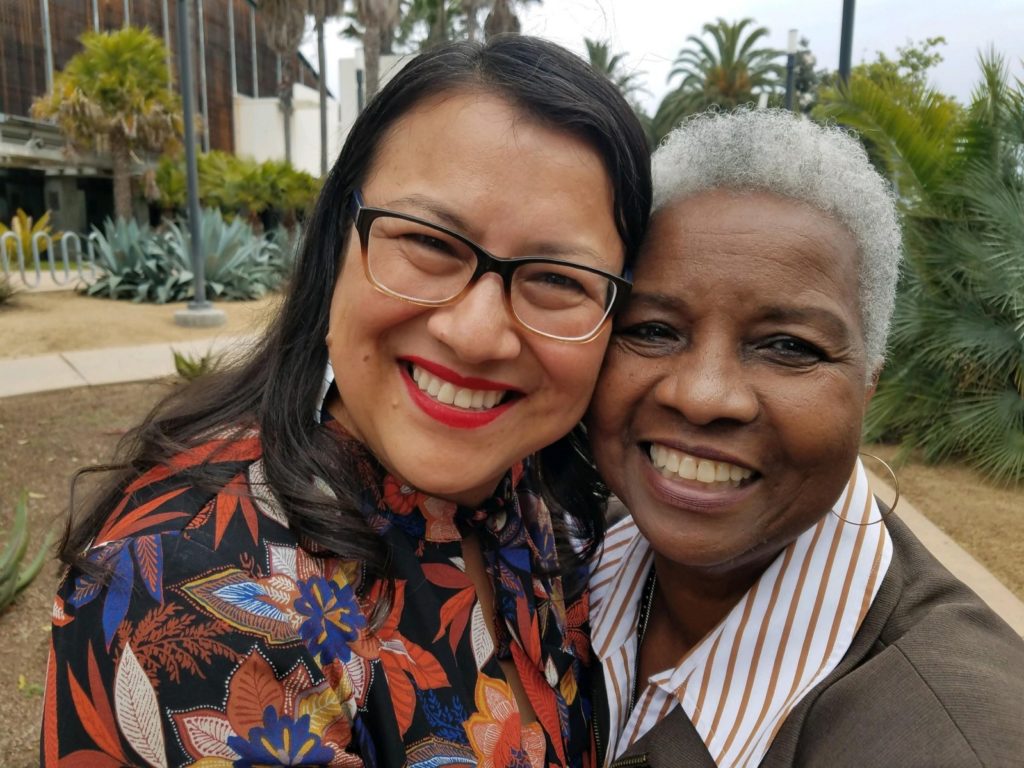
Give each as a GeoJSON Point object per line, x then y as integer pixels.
{"type": "Point", "coordinates": [14, 579]}
{"type": "Point", "coordinates": [25, 229]}
{"type": "Point", "coordinates": [238, 185]}
{"type": "Point", "coordinates": [143, 265]}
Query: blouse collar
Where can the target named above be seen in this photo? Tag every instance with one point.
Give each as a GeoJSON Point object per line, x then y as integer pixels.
{"type": "Point", "coordinates": [789, 631]}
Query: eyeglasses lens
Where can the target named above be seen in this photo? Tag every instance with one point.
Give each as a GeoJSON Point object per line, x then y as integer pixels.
{"type": "Point", "coordinates": [417, 262]}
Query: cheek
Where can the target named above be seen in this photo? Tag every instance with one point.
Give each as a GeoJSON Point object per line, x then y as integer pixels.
{"type": "Point", "coordinates": [571, 371]}
{"type": "Point", "coordinates": [821, 432]}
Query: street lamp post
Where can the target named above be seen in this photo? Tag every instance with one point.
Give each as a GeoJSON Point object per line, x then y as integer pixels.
{"type": "Point", "coordinates": [200, 312]}
{"type": "Point", "coordinates": [791, 50]}
{"type": "Point", "coordinates": [846, 42]}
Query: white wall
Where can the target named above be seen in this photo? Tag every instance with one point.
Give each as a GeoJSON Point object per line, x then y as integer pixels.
{"type": "Point", "coordinates": [259, 129]}
{"type": "Point", "coordinates": [348, 105]}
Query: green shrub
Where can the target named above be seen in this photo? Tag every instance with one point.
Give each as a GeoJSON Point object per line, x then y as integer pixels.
{"type": "Point", "coordinates": [25, 229]}
{"type": "Point", "coordinates": [239, 186]}
{"type": "Point", "coordinates": [14, 578]}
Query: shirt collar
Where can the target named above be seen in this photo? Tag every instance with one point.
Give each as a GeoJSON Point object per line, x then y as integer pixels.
{"type": "Point", "coordinates": [785, 635]}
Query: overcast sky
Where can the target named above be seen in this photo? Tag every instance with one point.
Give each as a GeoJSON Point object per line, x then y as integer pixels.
{"type": "Point", "coordinates": [651, 32]}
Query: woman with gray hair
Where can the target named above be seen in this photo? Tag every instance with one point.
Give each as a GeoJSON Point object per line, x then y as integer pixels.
{"type": "Point", "coordinates": [759, 606]}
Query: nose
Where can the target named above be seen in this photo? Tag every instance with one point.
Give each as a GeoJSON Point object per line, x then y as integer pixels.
{"type": "Point", "coordinates": [478, 327]}
{"type": "Point", "coordinates": [709, 385]}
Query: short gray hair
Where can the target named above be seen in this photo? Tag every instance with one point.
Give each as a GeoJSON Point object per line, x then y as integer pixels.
{"type": "Point", "coordinates": [771, 150]}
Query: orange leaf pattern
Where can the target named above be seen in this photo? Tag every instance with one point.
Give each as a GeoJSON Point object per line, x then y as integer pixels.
{"type": "Point", "coordinates": [222, 640]}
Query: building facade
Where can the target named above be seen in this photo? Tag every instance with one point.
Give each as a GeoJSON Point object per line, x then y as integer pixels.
{"type": "Point", "coordinates": [231, 59]}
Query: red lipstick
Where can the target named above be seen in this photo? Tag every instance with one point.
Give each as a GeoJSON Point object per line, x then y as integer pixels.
{"type": "Point", "coordinates": [466, 382]}
{"type": "Point", "coordinates": [450, 415]}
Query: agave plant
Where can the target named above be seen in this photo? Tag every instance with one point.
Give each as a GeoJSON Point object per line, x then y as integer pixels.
{"type": "Point", "coordinates": [191, 367]}
{"type": "Point", "coordinates": [135, 265]}
{"type": "Point", "coordinates": [239, 263]}
{"type": "Point", "coordinates": [13, 578]}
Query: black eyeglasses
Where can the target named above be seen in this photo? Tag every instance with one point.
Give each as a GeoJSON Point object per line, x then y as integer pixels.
{"type": "Point", "coordinates": [418, 261]}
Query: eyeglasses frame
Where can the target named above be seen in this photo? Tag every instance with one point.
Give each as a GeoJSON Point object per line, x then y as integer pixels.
{"type": "Point", "coordinates": [363, 217]}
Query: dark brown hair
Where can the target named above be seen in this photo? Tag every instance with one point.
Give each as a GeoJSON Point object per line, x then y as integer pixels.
{"type": "Point", "coordinates": [275, 388]}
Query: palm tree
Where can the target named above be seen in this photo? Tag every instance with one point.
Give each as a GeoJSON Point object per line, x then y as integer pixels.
{"type": "Point", "coordinates": [284, 22]}
{"type": "Point", "coordinates": [321, 10]}
{"type": "Point", "coordinates": [613, 67]}
{"type": "Point", "coordinates": [376, 17]}
{"type": "Point", "coordinates": [502, 19]}
{"type": "Point", "coordinates": [954, 384]}
{"type": "Point", "coordinates": [729, 71]}
{"type": "Point", "coordinates": [116, 92]}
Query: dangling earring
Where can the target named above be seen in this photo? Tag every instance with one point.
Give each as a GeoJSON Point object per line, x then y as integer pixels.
{"type": "Point", "coordinates": [895, 485]}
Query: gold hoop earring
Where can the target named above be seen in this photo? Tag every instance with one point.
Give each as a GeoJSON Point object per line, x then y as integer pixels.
{"type": "Point", "coordinates": [896, 488]}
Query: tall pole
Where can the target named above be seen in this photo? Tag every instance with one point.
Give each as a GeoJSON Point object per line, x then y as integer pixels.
{"type": "Point", "coordinates": [200, 312]}
{"type": "Point", "coordinates": [791, 68]}
{"type": "Point", "coordinates": [231, 49]}
{"type": "Point", "coordinates": [255, 60]}
{"type": "Point", "coordinates": [44, 8]}
{"type": "Point", "coordinates": [203, 103]}
{"type": "Point", "coordinates": [846, 42]}
{"type": "Point", "coordinates": [165, 16]}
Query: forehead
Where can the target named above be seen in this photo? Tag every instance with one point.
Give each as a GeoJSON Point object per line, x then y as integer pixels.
{"type": "Point", "coordinates": [755, 243]}
{"type": "Point", "coordinates": [468, 126]}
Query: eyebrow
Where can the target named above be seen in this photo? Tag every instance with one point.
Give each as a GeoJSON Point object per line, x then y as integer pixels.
{"type": "Point", "coordinates": [436, 209]}
{"type": "Point", "coordinates": [452, 220]}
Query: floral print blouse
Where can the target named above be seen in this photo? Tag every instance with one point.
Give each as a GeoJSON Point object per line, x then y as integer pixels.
{"type": "Point", "coordinates": [219, 641]}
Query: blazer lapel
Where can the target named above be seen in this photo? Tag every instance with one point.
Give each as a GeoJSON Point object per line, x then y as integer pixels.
{"type": "Point", "coordinates": [782, 752]}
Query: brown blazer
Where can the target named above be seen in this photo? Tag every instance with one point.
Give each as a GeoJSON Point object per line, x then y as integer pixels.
{"type": "Point", "coordinates": [933, 679]}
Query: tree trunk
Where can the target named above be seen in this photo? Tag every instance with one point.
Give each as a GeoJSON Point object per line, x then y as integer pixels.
{"type": "Point", "coordinates": [502, 20]}
{"type": "Point", "coordinates": [285, 99]}
{"type": "Point", "coordinates": [371, 56]}
{"type": "Point", "coordinates": [321, 57]}
{"type": "Point", "coordinates": [438, 34]}
{"type": "Point", "coordinates": [470, 8]}
{"type": "Point", "coordinates": [122, 163]}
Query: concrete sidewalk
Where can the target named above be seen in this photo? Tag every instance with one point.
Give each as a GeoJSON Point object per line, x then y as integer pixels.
{"type": "Point", "coordinates": [116, 365]}
{"type": "Point", "coordinates": [111, 365]}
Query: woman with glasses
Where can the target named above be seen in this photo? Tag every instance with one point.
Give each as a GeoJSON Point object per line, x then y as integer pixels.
{"type": "Point", "coordinates": [380, 565]}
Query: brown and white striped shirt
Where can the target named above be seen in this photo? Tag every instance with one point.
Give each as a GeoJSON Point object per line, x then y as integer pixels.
{"type": "Point", "coordinates": [791, 629]}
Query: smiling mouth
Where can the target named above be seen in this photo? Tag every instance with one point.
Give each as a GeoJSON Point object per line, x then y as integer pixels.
{"type": "Point", "coordinates": [445, 392]}
{"type": "Point", "coordinates": [675, 464]}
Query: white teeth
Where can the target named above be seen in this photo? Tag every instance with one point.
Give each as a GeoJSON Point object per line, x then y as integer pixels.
{"type": "Point", "coordinates": [688, 468]}
{"type": "Point", "coordinates": [449, 394]}
{"type": "Point", "coordinates": [676, 463]}
{"type": "Point", "coordinates": [705, 471]}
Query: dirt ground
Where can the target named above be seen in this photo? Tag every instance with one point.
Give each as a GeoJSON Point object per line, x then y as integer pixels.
{"type": "Point", "coordinates": [58, 321]}
{"type": "Point", "coordinates": [44, 438]}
